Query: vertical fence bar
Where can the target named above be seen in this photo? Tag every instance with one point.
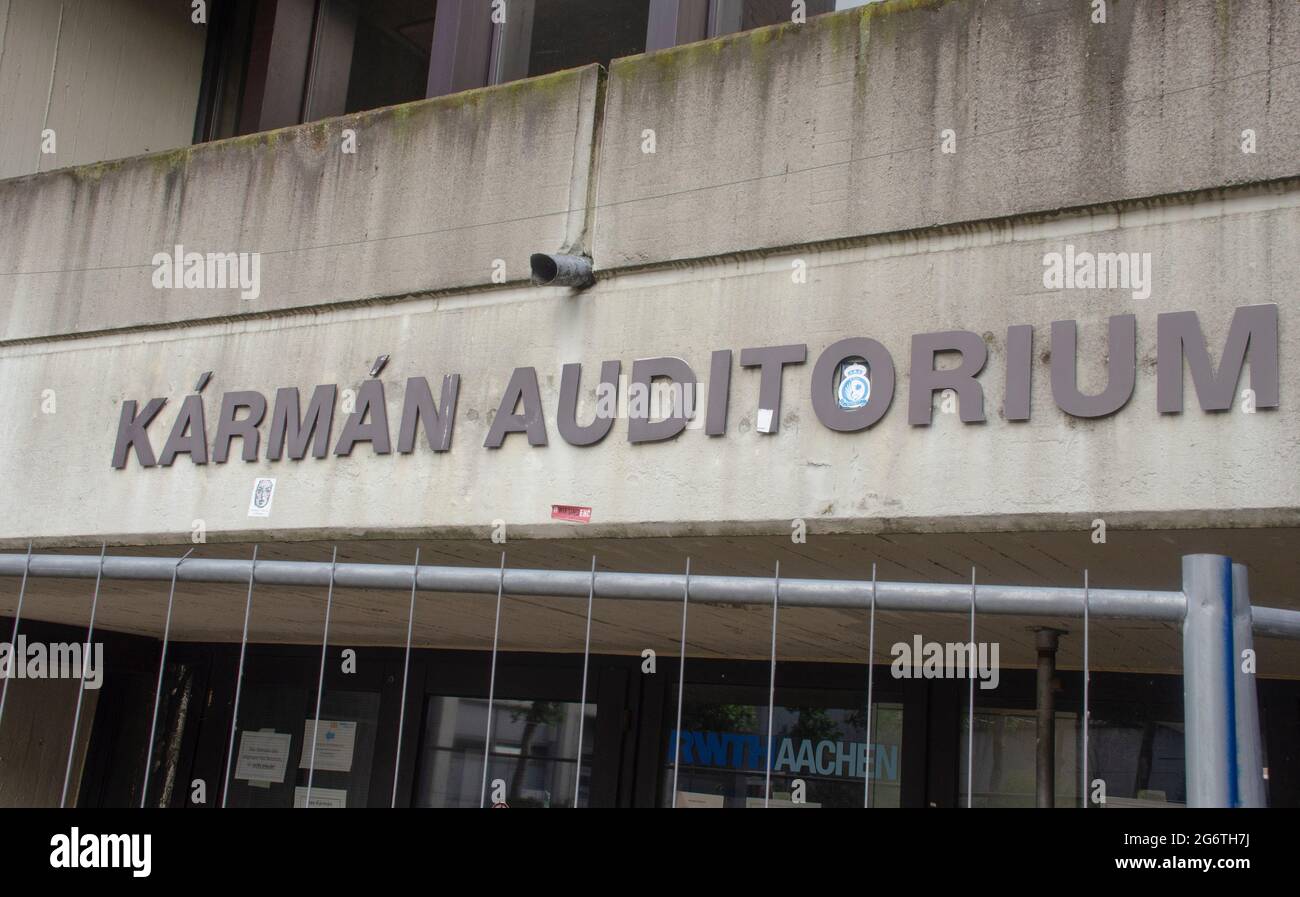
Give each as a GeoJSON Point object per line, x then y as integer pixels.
{"type": "Point", "coordinates": [1250, 752]}
{"type": "Point", "coordinates": [771, 691]}
{"type": "Point", "coordinates": [871, 669]}
{"type": "Point", "coordinates": [320, 683]}
{"type": "Point", "coordinates": [970, 707]}
{"type": "Point", "coordinates": [586, 658]}
{"type": "Point", "coordinates": [13, 639]}
{"type": "Point", "coordinates": [81, 686]}
{"type": "Point", "coordinates": [1209, 682]}
{"type": "Point", "coordinates": [492, 684]}
{"type": "Point", "coordinates": [681, 683]}
{"type": "Point", "coordinates": [157, 692]}
{"type": "Point", "coordinates": [239, 679]}
{"type": "Point", "coordinates": [1083, 785]}
{"type": "Point", "coordinates": [406, 676]}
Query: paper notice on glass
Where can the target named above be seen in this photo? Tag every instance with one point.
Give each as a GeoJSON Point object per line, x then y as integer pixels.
{"type": "Point", "coordinates": [321, 798]}
{"type": "Point", "coordinates": [782, 801]}
{"type": "Point", "coordinates": [694, 799]}
{"type": "Point", "coordinates": [335, 741]}
{"type": "Point", "coordinates": [263, 756]}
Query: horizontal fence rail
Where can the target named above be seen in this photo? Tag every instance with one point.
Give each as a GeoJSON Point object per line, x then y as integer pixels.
{"type": "Point", "coordinates": [1040, 601]}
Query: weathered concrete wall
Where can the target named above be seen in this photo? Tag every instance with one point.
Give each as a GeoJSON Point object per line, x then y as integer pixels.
{"type": "Point", "coordinates": [1139, 466]}
{"type": "Point", "coordinates": [111, 78]}
{"type": "Point", "coordinates": [439, 189]}
{"type": "Point", "coordinates": [435, 193]}
{"type": "Point", "coordinates": [833, 129]}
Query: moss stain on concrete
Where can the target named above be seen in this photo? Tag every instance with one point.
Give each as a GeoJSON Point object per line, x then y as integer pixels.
{"type": "Point", "coordinates": [1222, 15]}
{"type": "Point", "coordinates": [846, 30]}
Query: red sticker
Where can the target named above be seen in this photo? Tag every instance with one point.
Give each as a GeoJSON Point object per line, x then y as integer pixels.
{"type": "Point", "coordinates": [571, 512]}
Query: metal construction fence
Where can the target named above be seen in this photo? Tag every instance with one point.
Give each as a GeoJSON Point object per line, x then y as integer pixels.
{"type": "Point", "coordinates": [1223, 754]}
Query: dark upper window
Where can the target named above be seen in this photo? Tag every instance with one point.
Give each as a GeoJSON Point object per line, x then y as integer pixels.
{"type": "Point", "coordinates": [272, 63]}
{"type": "Point", "coordinates": [741, 15]}
{"type": "Point", "coordinates": [370, 54]}
{"type": "Point", "coordinates": [543, 36]}
{"type": "Point", "coordinates": [283, 62]}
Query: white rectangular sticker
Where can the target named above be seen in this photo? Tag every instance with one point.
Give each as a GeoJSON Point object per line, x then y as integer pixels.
{"type": "Point", "coordinates": [335, 742]}
{"type": "Point", "coordinates": [764, 422]}
{"type": "Point", "coordinates": [259, 505]}
{"type": "Point", "coordinates": [321, 798]}
{"type": "Point", "coordinates": [263, 756]}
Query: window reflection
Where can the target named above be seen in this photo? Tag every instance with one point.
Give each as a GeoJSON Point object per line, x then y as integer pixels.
{"type": "Point", "coordinates": [534, 752]}
{"type": "Point", "coordinates": [1140, 760]}
{"type": "Point", "coordinates": [1006, 759]}
{"type": "Point", "coordinates": [1142, 763]}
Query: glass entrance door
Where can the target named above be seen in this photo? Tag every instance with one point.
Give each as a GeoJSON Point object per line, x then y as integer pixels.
{"type": "Point", "coordinates": [546, 747]}
{"type": "Point", "coordinates": [535, 759]}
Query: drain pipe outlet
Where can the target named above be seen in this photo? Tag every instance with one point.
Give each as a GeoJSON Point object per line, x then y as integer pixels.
{"type": "Point", "coordinates": [561, 270]}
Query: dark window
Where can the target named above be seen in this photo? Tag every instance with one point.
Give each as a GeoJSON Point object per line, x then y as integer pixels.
{"type": "Point", "coordinates": [270, 65]}
{"type": "Point", "coordinates": [369, 54]}
{"type": "Point", "coordinates": [543, 36]}
{"type": "Point", "coordinates": [742, 15]}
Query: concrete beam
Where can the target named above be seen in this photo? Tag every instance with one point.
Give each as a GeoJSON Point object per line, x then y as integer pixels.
{"type": "Point", "coordinates": [435, 193]}
{"type": "Point", "coordinates": [836, 128]}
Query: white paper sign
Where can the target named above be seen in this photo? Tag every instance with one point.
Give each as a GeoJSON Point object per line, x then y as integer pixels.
{"type": "Point", "coordinates": [764, 422]}
{"type": "Point", "coordinates": [334, 744]}
{"type": "Point", "coordinates": [321, 798]}
{"type": "Point", "coordinates": [263, 756]}
{"type": "Point", "coordinates": [259, 505]}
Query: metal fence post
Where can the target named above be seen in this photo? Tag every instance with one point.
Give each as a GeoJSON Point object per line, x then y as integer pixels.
{"type": "Point", "coordinates": [1209, 682]}
{"type": "Point", "coordinates": [1250, 753]}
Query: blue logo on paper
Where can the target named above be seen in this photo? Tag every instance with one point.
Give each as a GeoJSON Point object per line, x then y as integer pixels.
{"type": "Point", "coordinates": [855, 388]}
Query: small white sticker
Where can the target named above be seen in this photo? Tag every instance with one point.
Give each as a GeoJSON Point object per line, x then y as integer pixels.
{"type": "Point", "coordinates": [263, 491]}
{"type": "Point", "coordinates": [764, 420]}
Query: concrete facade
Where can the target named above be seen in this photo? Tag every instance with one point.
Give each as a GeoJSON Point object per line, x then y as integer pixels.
{"type": "Point", "coordinates": [1137, 466]}
{"type": "Point", "coordinates": [835, 129]}
{"type": "Point", "coordinates": [800, 192]}
{"type": "Point", "coordinates": [434, 194]}
{"type": "Point", "coordinates": [391, 251]}
{"type": "Point", "coordinates": [110, 78]}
